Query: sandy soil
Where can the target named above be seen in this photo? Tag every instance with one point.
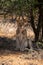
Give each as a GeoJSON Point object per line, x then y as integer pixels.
{"type": "Point", "coordinates": [20, 58]}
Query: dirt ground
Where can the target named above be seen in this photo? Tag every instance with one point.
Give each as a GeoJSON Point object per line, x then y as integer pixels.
{"type": "Point", "coordinates": [8, 57]}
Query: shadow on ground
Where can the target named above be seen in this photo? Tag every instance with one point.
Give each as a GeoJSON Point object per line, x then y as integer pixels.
{"type": "Point", "coordinates": [6, 43]}
{"type": "Point", "coordinates": [10, 44]}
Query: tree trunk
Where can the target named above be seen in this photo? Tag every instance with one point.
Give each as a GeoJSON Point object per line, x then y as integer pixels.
{"type": "Point", "coordinates": [42, 21]}
{"type": "Point", "coordinates": [41, 14]}
{"type": "Point", "coordinates": [36, 31]}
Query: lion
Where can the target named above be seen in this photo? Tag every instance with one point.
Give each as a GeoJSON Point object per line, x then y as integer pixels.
{"type": "Point", "coordinates": [21, 40]}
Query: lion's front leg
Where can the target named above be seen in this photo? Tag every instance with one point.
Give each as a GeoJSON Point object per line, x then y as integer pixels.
{"type": "Point", "coordinates": [23, 45]}
{"type": "Point", "coordinates": [17, 44]}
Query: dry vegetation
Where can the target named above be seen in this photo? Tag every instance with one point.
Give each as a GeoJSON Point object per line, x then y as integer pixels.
{"type": "Point", "coordinates": [20, 58]}
{"type": "Point", "coordinates": [8, 57]}
{"type": "Point", "coordinates": [8, 29]}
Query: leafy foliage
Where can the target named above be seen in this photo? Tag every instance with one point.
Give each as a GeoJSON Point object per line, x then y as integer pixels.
{"type": "Point", "coordinates": [17, 6]}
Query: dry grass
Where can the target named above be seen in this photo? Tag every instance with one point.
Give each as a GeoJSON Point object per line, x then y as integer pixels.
{"type": "Point", "coordinates": [18, 58]}
{"type": "Point", "coordinates": [9, 30]}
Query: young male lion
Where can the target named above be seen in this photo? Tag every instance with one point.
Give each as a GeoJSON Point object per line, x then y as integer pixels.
{"type": "Point", "coordinates": [21, 36]}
